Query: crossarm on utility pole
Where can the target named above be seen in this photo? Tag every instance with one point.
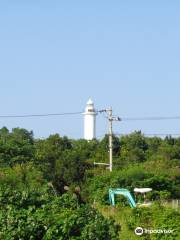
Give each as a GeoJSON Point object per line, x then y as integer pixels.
{"type": "Point", "coordinates": [105, 164]}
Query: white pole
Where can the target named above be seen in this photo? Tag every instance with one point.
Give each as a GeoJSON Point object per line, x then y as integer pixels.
{"type": "Point", "coordinates": [110, 119]}
{"type": "Point", "coordinates": [110, 140]}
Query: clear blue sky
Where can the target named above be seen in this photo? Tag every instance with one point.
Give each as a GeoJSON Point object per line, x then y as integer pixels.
{"type": "Point", "coordinates": [54, 55]}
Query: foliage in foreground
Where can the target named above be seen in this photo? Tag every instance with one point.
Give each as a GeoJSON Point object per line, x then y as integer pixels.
{"type": "Point", "coordinates": [156, 218]}
{"type": "Point", "coordinates": [31, 215]}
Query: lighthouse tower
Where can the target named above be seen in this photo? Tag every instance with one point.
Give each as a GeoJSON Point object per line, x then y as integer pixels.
{"type": "Point", "coordinates": [89, 121]}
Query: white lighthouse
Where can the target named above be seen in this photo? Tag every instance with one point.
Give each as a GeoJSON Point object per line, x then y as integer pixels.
{"type": "Point", "coordinates": [89, 121]}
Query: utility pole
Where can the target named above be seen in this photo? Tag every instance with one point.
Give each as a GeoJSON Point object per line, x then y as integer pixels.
{"type": "Point", "coordinates": [111, 118]}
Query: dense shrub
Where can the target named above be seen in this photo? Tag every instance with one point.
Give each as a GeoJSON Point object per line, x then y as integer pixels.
{"type": "Point", "coordinates": [43, 216]}
{"type": "Point", "coordinates": [156, 217]}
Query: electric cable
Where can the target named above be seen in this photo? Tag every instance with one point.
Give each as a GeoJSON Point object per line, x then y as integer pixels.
{"type": "Point", "coordinates": [151, 118]}
{"type": "Point", "coordinates": [40, 115]}
{"type": "Point", "coordinates": [150, 134]}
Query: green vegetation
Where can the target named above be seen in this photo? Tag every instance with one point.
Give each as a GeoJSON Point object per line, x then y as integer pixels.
{"type": "Point", "coordinates": [50, 189]}
{"type": "Point", "coordinates": [40, 215]}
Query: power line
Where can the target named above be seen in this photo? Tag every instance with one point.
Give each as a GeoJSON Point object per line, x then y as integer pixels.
{"type": "Point", "coordinates": [150, 134]}
{"type": "Point", "coordinates": [154, 118]}
{"type": "Point", "coordinates": [162, 134]}
{"type": "Point", "coordinates": [146, 134]}
{"type": "Point", "coordinates": [151, 118]}
{"type": "Point", "coordinates": [40, 115]}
